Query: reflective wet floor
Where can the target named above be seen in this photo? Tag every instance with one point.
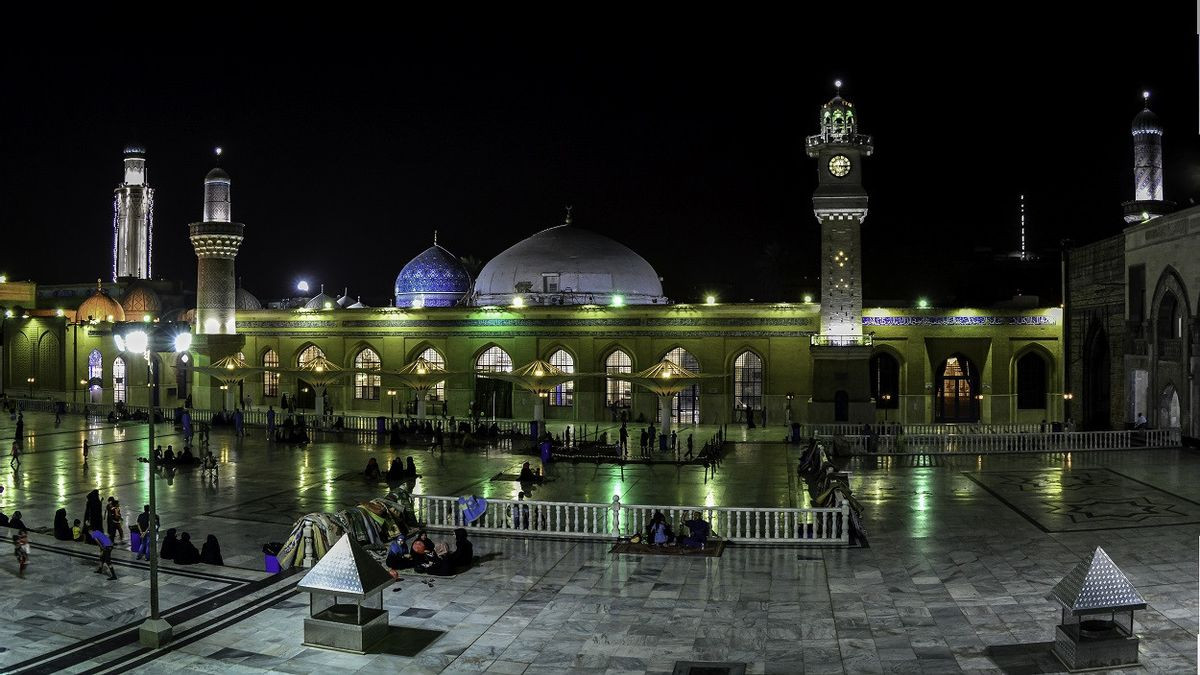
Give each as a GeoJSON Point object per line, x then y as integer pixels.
{"type": "Point", "coordinates": [963, 552]}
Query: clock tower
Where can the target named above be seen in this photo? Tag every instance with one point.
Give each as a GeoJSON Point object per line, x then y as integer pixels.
{"type": "Point", "coordinates": [841, 354]}
{"type": "Point", "coordinates": [840, 205]}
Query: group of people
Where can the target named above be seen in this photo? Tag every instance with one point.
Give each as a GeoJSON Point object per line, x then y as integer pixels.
{"type": "Point", "coordinates": [397, 470]}
{"type": "Point", "coordinates": [420, 554]}
{"type": "Point", "coordinates": [104, 525]}
{"type": "Point", "coordinates": [660, 533]}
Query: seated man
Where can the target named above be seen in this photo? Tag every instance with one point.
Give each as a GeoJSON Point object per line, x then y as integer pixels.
{"type": "Point", "coordinates": [698, 531]}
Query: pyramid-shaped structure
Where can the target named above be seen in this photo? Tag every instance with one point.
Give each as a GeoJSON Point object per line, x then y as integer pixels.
{"type": "Point", "coordinates": [1097, 585]}
{"type": "Point", "coordinates": [346, 569]}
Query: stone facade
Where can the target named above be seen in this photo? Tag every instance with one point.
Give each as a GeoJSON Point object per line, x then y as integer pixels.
{"type": "Point", "coordinates": [1097, 333]}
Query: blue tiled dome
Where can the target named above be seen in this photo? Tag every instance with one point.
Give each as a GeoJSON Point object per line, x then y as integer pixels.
{"type": "Point", "coordinates": [435, 278]}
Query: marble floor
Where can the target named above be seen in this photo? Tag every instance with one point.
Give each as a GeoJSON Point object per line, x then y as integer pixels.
{"type": "Point", "coordinates": [963, 552]}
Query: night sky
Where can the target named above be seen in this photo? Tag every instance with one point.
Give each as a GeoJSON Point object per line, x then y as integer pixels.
{"type": "Point", "coordinates": [350, 141]}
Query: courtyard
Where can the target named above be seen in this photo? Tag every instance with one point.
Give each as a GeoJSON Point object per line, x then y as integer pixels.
{"type": "Point", "coordinates": [963, 552]}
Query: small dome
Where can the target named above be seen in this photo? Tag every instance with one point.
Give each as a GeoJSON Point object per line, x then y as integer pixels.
{"type": "Point", "coordinates": [435, 278]}
{"type": "Point", "coordinates": [344, 300]}
{"type": "Point", "coordinates": [567, 265]}
{"type": "Point", "coordinates": [322, 301]}
{"type": "Point", "coordinates": [217, 175]}
{"type": "Point", "coordinates": [99, 306]}
{"type": "Point", "coordinates": [136, 149]}
{"type": "Point", "coordinates": [358, 304]}
{"type": "Point", "coordinates": [141, 299]}
{"type": "Point", "coordinates": [1146, 122]}
{"type": "Point", "coordinates": [246, 300]}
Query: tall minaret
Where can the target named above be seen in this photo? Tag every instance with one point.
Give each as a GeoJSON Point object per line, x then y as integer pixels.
{"type": "Point", "coordinates": [133, 219]}
{"type": "Point", "coordinates": [840, 205]}
{"type": "Point", "coordinates": [216, 241]}
{"type": "Point", "coordinates": [1148, 199]}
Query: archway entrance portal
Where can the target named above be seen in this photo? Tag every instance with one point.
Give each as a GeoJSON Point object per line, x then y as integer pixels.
{"type": "Point", "coordinates": [957, 387]}
{"type": "Point", "coordinates": [1168, 411]}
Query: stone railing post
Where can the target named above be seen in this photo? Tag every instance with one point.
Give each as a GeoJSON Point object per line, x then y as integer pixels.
{"type": "Point", "coordinates": [310, 557]}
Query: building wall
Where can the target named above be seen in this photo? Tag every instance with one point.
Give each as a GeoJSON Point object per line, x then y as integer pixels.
{"type": "Point", "coordinates": [1169, 249]}
{"type": "Point", "coordinates": [780, 334]}
{"type": "Point", "coordinates": [1096, 297]}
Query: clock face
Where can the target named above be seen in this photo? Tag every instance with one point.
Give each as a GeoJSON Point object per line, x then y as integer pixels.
{"type": "Point", "coordinates": [839, 165]}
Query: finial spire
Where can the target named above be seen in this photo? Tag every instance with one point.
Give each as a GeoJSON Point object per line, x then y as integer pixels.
{"type": "Point", "coordinates": [99, 285]}
{"type": "Point", "coordinates": [435, 237]}
{"type": "Point", "coordinates": [217, 151]}
{"type": "Point", "coordinates": [838, 85]}
{"type": "Point", "coordinates": [1146, 98]}
{"type": "Point", "coordinates": [568, 220]}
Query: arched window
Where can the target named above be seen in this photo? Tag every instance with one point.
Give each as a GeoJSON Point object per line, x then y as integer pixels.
{"type": "Point", "coordinates": [494, 360]}
{"type": "Point", "coordinates": [310, 354]}
{"type": "Point", "coordinates": [270, 359]}
{"type": "Point", "coordinates": [885, 380]}
{"type": "Point", "coordinates": [748, 382]}
{"type": "Point", "coordinates": [1032, 383]}
{"type": "Point", "coordinates": [1168, 318]}
{"type": "Point", "coordinates": [366, 385]}
{"type": "Point", "coordinates": [95, 365]}
{"type": "Point", "coordinates": [686, 409]}
{"type": "Point", "coordinates": [563, 394]}
{"type": "Point", "coordinates": [433, 356]}
{"type": "Point", "coordinates": [120, 387]}
{"type": "Point", "coordinates": [618, 393]}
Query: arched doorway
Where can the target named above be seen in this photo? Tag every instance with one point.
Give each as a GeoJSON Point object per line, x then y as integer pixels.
{"type": "Point", "coordinates": [885, 381]}
{"type": "Point", "coordinates": [96, 376]}
{"type": "Point", "coordinates": [306, 393]}
{"type": "Point", "coordinates": [1096, 381]}
{"type": "Point", "coordinates": [493, 398]}
{"type": "Point", "coordinates": [686, 404]}
{"type": "Point", "coordinates": [1169, 416]}
{"type": "Point", "coordinates": [957, 389]}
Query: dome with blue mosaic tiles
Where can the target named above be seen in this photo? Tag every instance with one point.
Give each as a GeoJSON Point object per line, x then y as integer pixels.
{"type": "Point", "coordinates": [435, 278]}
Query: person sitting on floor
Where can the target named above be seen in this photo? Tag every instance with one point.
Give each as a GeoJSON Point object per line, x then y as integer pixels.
{"type": "Point", "coordinates": [527, 475]}
{"type": "Point", "coordinates": [399, 557]}
{"type": "Point", "coordinates": [660, 531]}
{"type": "Point", "coordinates": [169, 544]}
{"type": "Point", "coordinates": [410, 471]}
{"type": "Point", "coordinates": [464, 553]}
{"type": "Point", "coordinates": [210, 554]}
{"type": "Point", "coordinates": [698, 531]}
{"type": "Point", "coordinates": [169, 457]}
{"type": "Point", "coordinates": [62, 531]}
{"type": "Point", "coordinates": [372, 470]}
{"type": "Point", "coordinates": [185, 551]}
{"type": "Point", "coordinates": [15, 522]}
{"type": "Point", "coordinates": [185, 456]}
{"type": "Point", "coordinates": [395, 471]}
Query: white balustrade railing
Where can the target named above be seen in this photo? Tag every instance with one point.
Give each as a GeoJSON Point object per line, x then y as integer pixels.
{"type": "Point", "coordinates": [609, 521]}
{"type": "Point", "coordinates": [891, 428]}
{"type": "Point", "coordinates": [1077, 441]}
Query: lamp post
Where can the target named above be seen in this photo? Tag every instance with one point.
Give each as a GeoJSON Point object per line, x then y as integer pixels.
{"type": "Point", "coordinates": [154, 631]}
{"type": "Point", "coordinates": [30, 381]}
{"type": "Point", "coordinates": [392, 395]}
{"type": "Point", "coordinates": [887, 398]}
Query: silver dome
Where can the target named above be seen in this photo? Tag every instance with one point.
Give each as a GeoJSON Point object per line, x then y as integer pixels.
{"type": "Point", "coordinates": [565, 265]}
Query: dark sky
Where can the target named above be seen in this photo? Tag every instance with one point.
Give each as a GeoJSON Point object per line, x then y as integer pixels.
{"type": "Point", "coordinates": [350, 139]}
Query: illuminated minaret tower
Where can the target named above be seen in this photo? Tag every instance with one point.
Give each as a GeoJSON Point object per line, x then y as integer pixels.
{"type": "Point", "coordinates": [216, 240]}
{"type": "Point", "coordinates": [840, 205]}
{"type": "Point", "coordinates": [133, 219]}
{"type": "Point", "coordinates": [1148, 199]}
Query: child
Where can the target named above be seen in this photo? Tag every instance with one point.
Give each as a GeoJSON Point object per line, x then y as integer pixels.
{"type": "Point", "coordinates": [77, 531]}
{"type": "Point", "coordinates": [106, 547]}
{"type": "Point", "coordinates": [21, 550]}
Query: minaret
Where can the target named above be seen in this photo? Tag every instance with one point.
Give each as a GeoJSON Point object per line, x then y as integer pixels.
{"type": "Point", "coordinates": [1148, 199]}
{"type": "Point", "coordinates": [216, 241]}
{"type": "Point", "coordinates": [133, 219]}
{"type": "Point", "coordinates": [840, 205]}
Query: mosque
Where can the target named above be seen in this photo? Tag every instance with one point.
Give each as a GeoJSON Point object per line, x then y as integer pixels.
{"type": "Point", "coordinates": [566, 295]}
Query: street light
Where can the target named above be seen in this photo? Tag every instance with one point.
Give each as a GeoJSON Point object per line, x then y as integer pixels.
{"type": "Point", "coordinates": [154, 631]}
{"type": "Point", "coordinates": [30, 381]}
{"type": "Point", "coordinates": [392, 394]}
{"type": "Point", "coordinates": [886, 405]}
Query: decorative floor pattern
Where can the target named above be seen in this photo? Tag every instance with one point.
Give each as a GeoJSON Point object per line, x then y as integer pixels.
{"type": "Point", "coordinates": [1073, 500]}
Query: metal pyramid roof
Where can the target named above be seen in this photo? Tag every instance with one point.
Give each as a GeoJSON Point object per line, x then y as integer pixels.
{"type": "Point", "coordinates": [346, 569]}
{"type": "Point", "coordinates": [1097, 585]}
